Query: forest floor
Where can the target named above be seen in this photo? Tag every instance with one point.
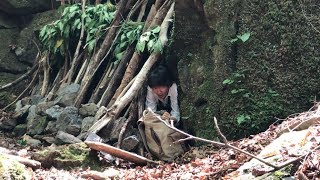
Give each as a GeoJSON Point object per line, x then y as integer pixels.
{"type": "Point", "coordinates": [199, 163]}
{"type": "Point", "coordinates": [204, 162]}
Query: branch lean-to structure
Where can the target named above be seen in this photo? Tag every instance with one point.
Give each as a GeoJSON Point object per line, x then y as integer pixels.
{"type": "Point", "coordinates": [103, 79]}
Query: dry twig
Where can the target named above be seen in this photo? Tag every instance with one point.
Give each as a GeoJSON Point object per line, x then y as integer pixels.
{"type": "Point", "coordinates": [226, 144]}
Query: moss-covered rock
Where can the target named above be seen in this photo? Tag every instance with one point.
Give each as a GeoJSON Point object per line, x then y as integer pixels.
{"type": "Point", "coordinates": [246, 84]}
{"type": "Point", "coordinates": [67, 157]}
{"type": "Point", "coordinates": [12, 169]}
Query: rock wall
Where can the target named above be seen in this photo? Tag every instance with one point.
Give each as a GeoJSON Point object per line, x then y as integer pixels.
{"type": "Point", "coordinates": [19, 23]}
{"type": "Point", "coordinates": [245, 84]}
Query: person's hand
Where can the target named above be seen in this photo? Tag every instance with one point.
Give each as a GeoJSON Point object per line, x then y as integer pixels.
{"type": "Point", "coordinates": [172, 120]}
{"type": "Point", "coordinates": [165, 116]}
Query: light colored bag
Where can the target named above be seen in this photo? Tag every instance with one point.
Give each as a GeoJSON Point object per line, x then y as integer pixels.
{"type": "Point", "coordinates": [158, 138]}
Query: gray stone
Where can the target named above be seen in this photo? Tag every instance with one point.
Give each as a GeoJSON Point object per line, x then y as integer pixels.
{"type": "Point", "coordinates": [88, 109]}
{"type": "Point", "coordinates": [7, 123]}
{"type": "Point", "coordinates": [54, 112]}
{"type": "Point", "coordinates": [34, 143]}
{"type": "Point", "coordinates": [49, 139]}
{"type": "Point", "coordinates": [67, 95]}
{"type": "Point", "coordinates": [21, 114]}
{"type": "Point", "coordinates": [26, 101]}
{"type": "Point", "coordinates": [87, 122]}
{"type": "Point", "coordinates": [130, 143]}
{"type": "Point", "coordinates": [43, 106]}
{"type": "Point", "coordinates": [35, 123]}
{"type": "Point", "coordinates": [51, 127]}
{"type": "Point", "coordinates": [73, 129]}
{"type": "Point", "coordinates": [69, 120]}
{"type": "Point", "coordinates": [36, 99]}
{"type": "Point", "coordinates": [18, 106]}
{"type": "Point", "coordinates": [20, 130]}
{"type": "Point", "coordinates": [65, 138]}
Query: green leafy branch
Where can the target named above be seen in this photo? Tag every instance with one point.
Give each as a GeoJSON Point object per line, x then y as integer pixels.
{"type": "Point", "coordinates": [129, 34]}
{"type": "Point", "coordinates": [56, 37]}
{"type": "Point", "coordinates": [150, 39]}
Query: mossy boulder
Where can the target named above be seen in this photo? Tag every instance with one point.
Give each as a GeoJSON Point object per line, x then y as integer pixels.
{"type": "Point", "coordinates": [67, 157]}
{"type": "Point", "coordinates": [245, 84]}
{"type": "Point", "coordinates": [12, 169]}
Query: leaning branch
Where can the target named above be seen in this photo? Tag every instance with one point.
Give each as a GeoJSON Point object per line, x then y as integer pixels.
{"type": "Point", "coordinates": [141, 77]}
{"type": "Point", "coordinates": [21, 78]}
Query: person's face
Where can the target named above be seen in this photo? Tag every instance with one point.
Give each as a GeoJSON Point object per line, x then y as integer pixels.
{"type": "Point", "coordinates": [161, 91]}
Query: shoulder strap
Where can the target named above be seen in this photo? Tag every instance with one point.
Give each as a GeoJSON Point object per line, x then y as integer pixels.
{"type": "Point", "coordinates": [142, 131]}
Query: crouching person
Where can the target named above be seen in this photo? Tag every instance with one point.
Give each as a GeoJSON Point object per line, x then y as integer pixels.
{"type": "Point", "coordinates": [161, 106]}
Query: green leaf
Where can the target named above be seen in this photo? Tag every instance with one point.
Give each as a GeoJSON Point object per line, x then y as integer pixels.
{"type": "Point", "coordinates": [150, 45]}
{"type": "Point", "coordinates": [76, 24]}
{"type": "Point", "coordinates": [60, 26]}
{"type": "Point", "coordinates": [234, 91]}
{"type": "Point", "coordinates": [242, 118]}
{"type": "Point", "coordinates": [234, 40]}
{"type": "Point", "coordinates": [43, 31]}
{"type": "Point", "coordinates": [156, 30]}
{"type": "Point", "coordinates": [244, 37]}
{"type": "Point", "coordinates": [91, 45]}
{"type": "Point", "coordinates": [157, 47]}
{"type": "Point", "coordinates": [140, 46]}
{"type": "Point", "coordinates": [123, 37]}
{"type": "Point", "coordinates": [123, 44]}
{"type": "Point", "coordinates": [228, 81]}
{"type": "Point", "coordinates": [119, 55]}
{"type": "Point", "coordinates": [58, 43]}
{"type": "Point", "coordinates": [145, 36]}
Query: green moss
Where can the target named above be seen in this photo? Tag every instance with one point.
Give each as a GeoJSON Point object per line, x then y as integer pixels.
{"type": "Point", "coordinates": [279, 61]}
{"type": "Point", "coordinates": [75, 152]}
{"type": "Point", "coordinates": [42, 123]}
{"type": "Point", "coordinates": [284, 172]}
{"type": "Point", "coordinates": [68, 157]}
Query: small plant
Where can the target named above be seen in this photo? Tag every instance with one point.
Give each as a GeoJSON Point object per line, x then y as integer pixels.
{"type": "Point", "coordinates": [253, 110]}
{"type": "Point", "coordinates": [244, 37]}
{"type": "Point", "coordinates": [22, 142]}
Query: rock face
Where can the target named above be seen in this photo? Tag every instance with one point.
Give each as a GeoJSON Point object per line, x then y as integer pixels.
{"type": "Point", "coordinates": [18, 38]}
{"type": "Point", "coordinates": [244, 84]}
{"type": "Point", "coordinates": [25, 7]}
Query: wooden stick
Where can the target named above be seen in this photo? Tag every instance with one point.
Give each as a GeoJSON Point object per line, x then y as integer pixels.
{"type": "Point", "coordinates": [24, 91]}
{"type": "Point", "coordinates": [24, 76]}
{"type": "Point", "coordinates": [28, 162]}
{"type": "Point", "coordinates": [76, 60]}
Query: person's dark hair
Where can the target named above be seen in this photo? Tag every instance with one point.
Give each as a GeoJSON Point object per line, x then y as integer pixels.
{"type": "Point", "coordinates": [160, 76]}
